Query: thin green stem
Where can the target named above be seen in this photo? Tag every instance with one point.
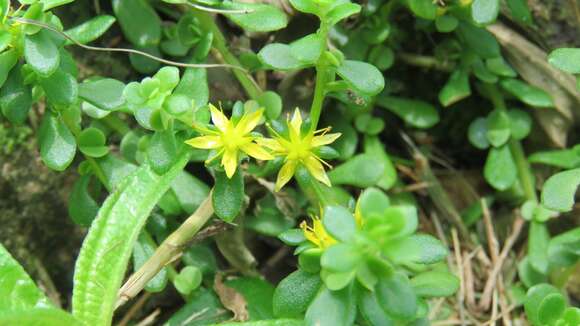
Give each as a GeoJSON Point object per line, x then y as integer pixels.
{"type": "Point", "coordinates": [114, 122]}
{"type": "Point", "coordinates": [220, 45]}
{"type": "Point", "coordinates": [524, 170]}
{"type": "Point", "coordinates": [319, 94]}
{"type": "Point", "coordinates": [321, 81]}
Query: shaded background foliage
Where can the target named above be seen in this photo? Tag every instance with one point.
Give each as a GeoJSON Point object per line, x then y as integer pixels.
{"type": "Point", "coordinates": [33, 199]}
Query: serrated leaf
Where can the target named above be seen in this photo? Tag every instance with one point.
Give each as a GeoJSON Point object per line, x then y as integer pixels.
{"type": "Point", "coordinates": [106, 250]}
{"type": "Point", "coordinates": [17, 290]}
{"type": "Point", "coordinates": [38, 316]}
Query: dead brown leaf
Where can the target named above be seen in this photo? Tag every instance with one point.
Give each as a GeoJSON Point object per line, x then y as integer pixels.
{"type": "Point", "coordinates": [532, 65]}
{"type": "Point", "coordinates": [231, 299]}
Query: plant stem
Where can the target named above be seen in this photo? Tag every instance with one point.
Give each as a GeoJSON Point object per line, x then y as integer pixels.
{"type": "Point", "coordinates": [114, 122]}
{"type": "Point", "coordinates": [321, 81]}
{"type": "Point", "coordinates": [524, 170]}
{"type": "Point", "coordinates": [220, 45]}
{"type": "Point", "coordinates": [169, 249]}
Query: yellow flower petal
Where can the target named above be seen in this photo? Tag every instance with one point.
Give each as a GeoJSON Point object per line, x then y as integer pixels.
{"type": "Point", "coordinates": [309, 234]}
{"type": "Point", "coordinates": [230, 162]}
{"type": "Point", "coordinates": [205, 142]}
{"type": "Point", "coordinates": [285, 174]}
{"type": "Point", "coordinates": [272, 144]}
{"type": "Point", "coordinates": [318, 141]}
{"type": "Point", "coordinates": [256, 151]}
{"type": "Point", "coordinates": [218, 118]}
{"type": "Point", "coordinates": [316, 169]}
{"type": "Point", "coordinates": [295, 125]}
{"type": "Point", "coordinates": [249, 121]}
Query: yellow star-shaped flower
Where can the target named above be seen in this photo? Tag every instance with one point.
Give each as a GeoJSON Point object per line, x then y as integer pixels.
{"type": "Point", "coordinates": [316, 233]}
{"type": "Point", "coordinates": [229, 138]}
{"type": "Point", "coordinates": [299, 150]}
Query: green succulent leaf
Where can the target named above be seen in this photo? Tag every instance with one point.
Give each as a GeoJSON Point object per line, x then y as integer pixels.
{"type": "Point", "coordinates": [82, 208]}
{"type": "Point", "coordinates": [342, 302]}
{"type": "Point", "coordinates": [90, 30]}
{"type": "Point", "coordinates": [61, 88]}
{"type": "Point", "coordinates": [57, 144]}
{"type": "Point", "coordinates": [8, 60]}
{"type": "Point", "coordinates": [423, 8]}
{"type": "Point", "coordinates": [500, 169]}
{"type": "Point", "coordinates": [15, 98]}
{"type": "Point", "coordinates": [484, 11]}
{"type": "Point", "coordinates": [559, 190]}
{"type": "Point", "coordinates": [294, 294]}
{"type": "Point", "coordinates": [363, 77]}
{"type": "Point", "coordinates": [477, 133]}
{"type": "Point", "coordinates": [566, 59]}
{"type": "Point", "coordinates": [339, 222]}
{"type": "Point", "coordinates": [363, 170]}
{"type": "Point", "coordinates": [41, 53]}
{"type": "Point", "coordinates": [228, 195]}
{"type": "Point", "coordinates": [456, 88]}
{"type": "Point", "coordinates": [435, 284]}
{"type": "Point", "coordinates": [106, 94]}
{"type": "Point", "coordinates": [131, 15]}
{"type": "Point", "coordinates": [418, 249]}
{"type": "Point", "coordinates": [417, 113]}
{"type": "Point", "coordinates": [396, 295]}
{"type": "Point", "coordinates": [564, 158]}
{"type": "Point", "coordinates": [188, 279]}
{"type": "Point", "coordinates": [544, 304]}
{"type": "Point", "coordinates": [92, 142]}
{"type": "Point", "coordinates": [528, 94]}
{"type": "Point", "coordinates": [498, 127]}
{"type": "Point", "coordinates": [259, 18]}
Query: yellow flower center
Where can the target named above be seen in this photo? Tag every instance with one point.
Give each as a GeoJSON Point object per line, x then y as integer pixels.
{"type": "Point", "coordinates": [233, 138]}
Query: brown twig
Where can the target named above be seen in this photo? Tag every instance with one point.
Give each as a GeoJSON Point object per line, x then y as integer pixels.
{"type": "Point", "coordinates": [460, 268]}
{"type": "Point", "coordinates": [134, 309]}
{"type": "Point", "coordinates": [491, 281]}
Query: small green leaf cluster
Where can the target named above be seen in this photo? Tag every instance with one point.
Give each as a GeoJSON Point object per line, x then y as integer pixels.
{"type": "Point", "coordinates": [371, 264]}
{"type": "Point", "coordinates": [545, 305]}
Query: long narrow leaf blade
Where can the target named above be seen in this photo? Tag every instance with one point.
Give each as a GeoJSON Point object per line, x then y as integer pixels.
{"type": "Point", "coordinates": [17, 290]}
{"type": "Point", "coordinates": [107, 248]}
